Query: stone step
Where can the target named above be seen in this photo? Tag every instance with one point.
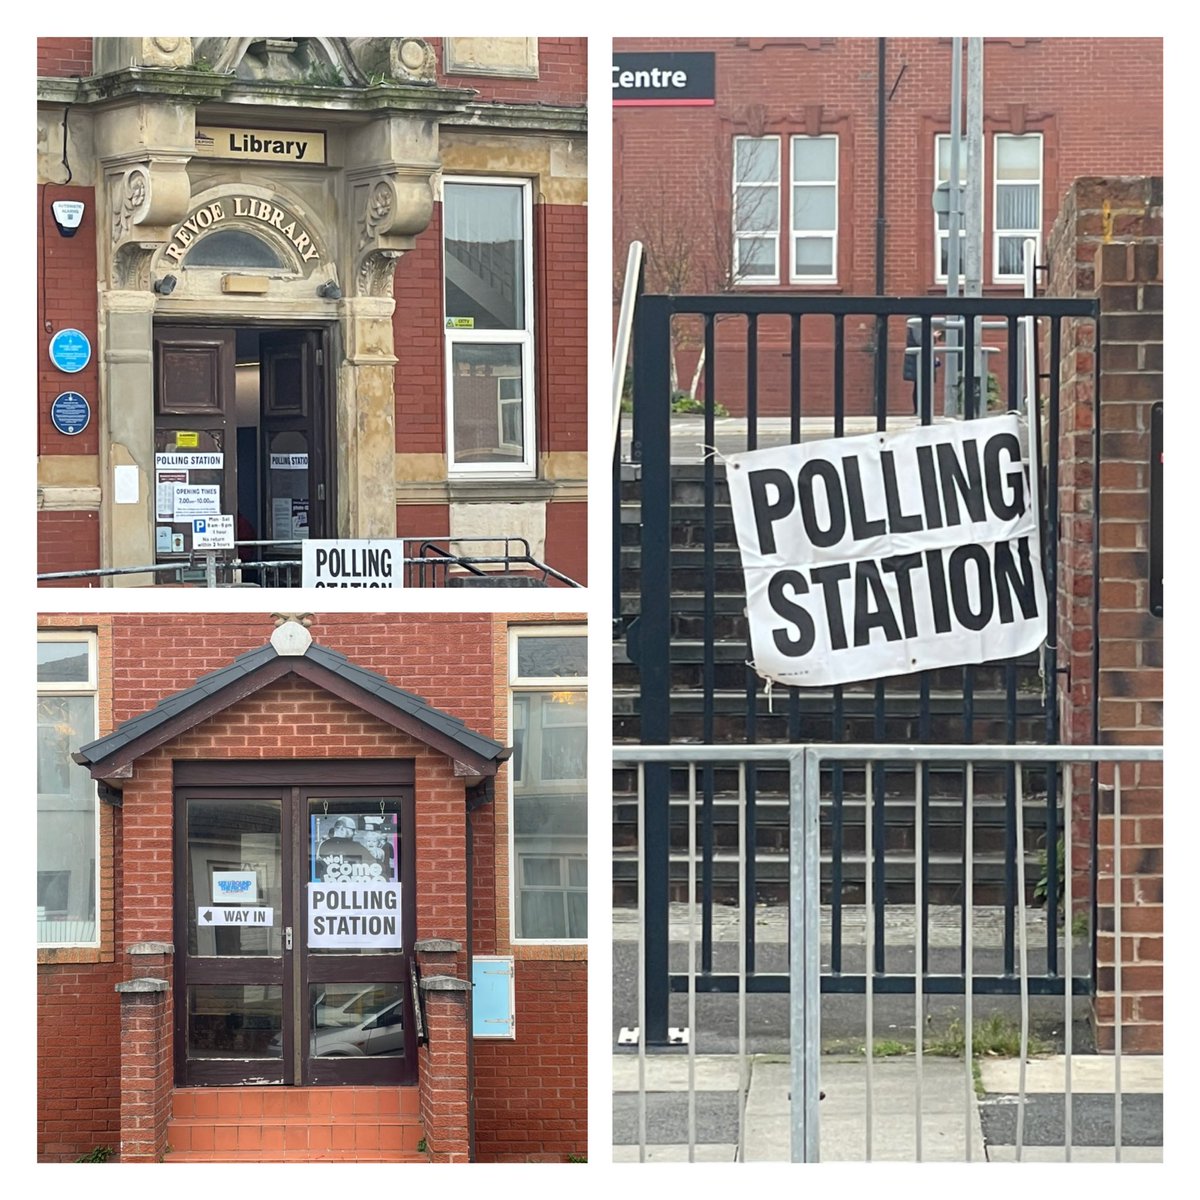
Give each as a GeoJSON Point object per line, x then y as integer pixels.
{"type": "Point", "coordinates": [295, 1124]}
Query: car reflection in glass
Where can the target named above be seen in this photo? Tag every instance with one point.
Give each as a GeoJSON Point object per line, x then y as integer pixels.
{"type": "Point", "coordinates": [346, 1030]}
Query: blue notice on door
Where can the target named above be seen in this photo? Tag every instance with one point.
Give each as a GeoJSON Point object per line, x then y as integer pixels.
{"type": "Point", "coordinates": [70, 413]}
{"type": "Point", "coordinates": [70, 350]}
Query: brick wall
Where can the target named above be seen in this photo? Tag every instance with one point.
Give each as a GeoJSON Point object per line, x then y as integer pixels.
{"type": "Point", "coordinates": [64, 56]}
{"type": "Point", "coordinates": [68, 541]}
{"type": "Point", "coordinates": [420, 339]}
{"type": "Point", "coordinates": [560, 268]}
{"type": "Point", "coordinates": [1096, 102]}
{"type": "Point", "coordinates": [1108, 243]}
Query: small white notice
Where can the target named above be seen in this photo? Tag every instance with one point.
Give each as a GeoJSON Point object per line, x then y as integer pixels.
{"type": "Point", "coordinates": [289, 462]}
{"type": "Point", "coordinates": [199, 460]}
{"type": "Point", "coordinates": [125, 484]}
{"type": "Point", "coordinates": [224, 914]}
{"type": "Point", "coordinates": [357, 563]}
{"type": "Point", "coordinates": [197, 500]}
{"type": "Point", "coordinates": [213, 533]}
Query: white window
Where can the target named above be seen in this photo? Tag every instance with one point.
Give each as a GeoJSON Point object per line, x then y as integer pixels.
{"type": "Point", "coordinates": [814, 209]}
{"type": "Point", "coordinates": [488, 270]}
{"type": "Point", "coordinates": [68, 827]}
{"type": "Point", "coordinates": [548, 773]}
{"type": "Point", "coordinates": [755, 210]}
{"type": "Point", "coordinates": [941, 221]}
{"type": "Point", "coordinates": [1017, 202]}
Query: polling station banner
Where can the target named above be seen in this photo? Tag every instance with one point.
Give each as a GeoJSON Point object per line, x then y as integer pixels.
{"type": "Point", "coordinates": [888, 553]}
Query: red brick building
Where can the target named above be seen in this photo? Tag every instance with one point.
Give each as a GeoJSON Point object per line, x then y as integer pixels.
{"type": "Point", "coordinates": [312, 888]}
{"type": "Point", "coordinates": [340, 281]}
{"type": "Point", "coordinates": [773, 179]}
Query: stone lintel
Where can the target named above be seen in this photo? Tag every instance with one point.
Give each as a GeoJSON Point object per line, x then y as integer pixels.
{"type": "Point", "coordinates": [141, 986]}
{"type": "Point", "coordinates": [445, 983]}
{"type": "Point", "coordinates": [437, 946]}
{"type": "Point", "coordinates": [152, 948]}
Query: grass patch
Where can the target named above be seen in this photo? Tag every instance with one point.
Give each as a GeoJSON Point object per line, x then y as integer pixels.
{"type": "Point", "coordinates": [995, 1037]}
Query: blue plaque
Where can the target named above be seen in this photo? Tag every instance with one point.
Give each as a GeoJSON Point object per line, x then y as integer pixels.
{"type": "Point", "coordinates": [70, 413]}
{"type": "Point", "coordinates": [70, 350]}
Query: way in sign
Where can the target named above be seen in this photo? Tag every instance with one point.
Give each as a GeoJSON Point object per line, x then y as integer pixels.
{"type": "Point", "coordinates": [229, 914]}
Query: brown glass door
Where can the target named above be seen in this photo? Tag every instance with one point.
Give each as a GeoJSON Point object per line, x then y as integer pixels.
{"type": "Point", "coordinates": [295, 920]}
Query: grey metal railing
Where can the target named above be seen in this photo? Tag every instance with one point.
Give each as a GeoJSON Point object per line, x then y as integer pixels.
{"type": "Point", "coordinates": [804, 764]}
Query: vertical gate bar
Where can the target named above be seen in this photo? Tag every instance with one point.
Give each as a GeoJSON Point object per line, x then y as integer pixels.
{"type": "Point", "coordinates": [972, 407]}
{"type": "Point", "coordinates": [919, 949]}
{"type": "Point", "coordinates": [798, 905]}
{"type": "Point", "coordinates": [745, 924]}
{"type": "Point", "coordinates": [708, 669]}
{"type": "Point", "coordinates": [812, 956]}
{"type": "Point", "coordinates": [1118, 957]}
{"type": "Point", "coordinates": [691, 963]}
{"type": "Point", "coordinates": [1068, 921]}
{"type": "Point", "coordinates": [839, 375]}
{"type": "Point", "coordinates": [969, 952]}
{"type": "Point", "coordinates": [880, 732]}
{"type": "Point", "coordinates": [868, 965]}
{"type": "Point", "coordinates": [708, 856]}
{"type": "Point", "coordinates": [1023, 968]}
{"type": "Point", "coordinates": [925, 367]}
{"type": "Point", "coordinates": [794, 382]}
{"type": "Point", "coordinates": [881, 371]}
{"type": "Point", "coordinates": [921, 911]}
{"type": "Point", "coordinates": [751, 677]}
{"type": "Point", "coordinates": [751, 381]}
{"type": "Point", "coordinates": [837, 880]}
{"type": "Point", "coordinates": [641, 960]}
{"type": "Point", "coordinates": [1050, 659]}
{"type": "Point", "coordinates": [1014, 841]}
{"type": "Point", "coordinates": [968, 738]}
{"type": "Point", "coordinates": [1013, 368]}
{"type": "Point", "coordinates": [652, 412]}
{"type": "Point", "coordinates": [878, 816]}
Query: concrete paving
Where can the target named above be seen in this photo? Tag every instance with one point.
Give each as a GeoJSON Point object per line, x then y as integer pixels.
{"type": "Point", "coordinates": [957, 1125]}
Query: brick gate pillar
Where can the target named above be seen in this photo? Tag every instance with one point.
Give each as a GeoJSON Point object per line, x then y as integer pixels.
{"type": "Point", "coordinates": [1107, 242]}
{"type": "Point", "coordinates": [443, 1061]}
{"type": "Point", "coordinates": [145, 1068]}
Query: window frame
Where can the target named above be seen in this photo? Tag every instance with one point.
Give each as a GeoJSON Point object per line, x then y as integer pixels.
{"type": "Point", "coordinates": [997, 183]}
{"type": "Point", "coordinates": [794, 185]}
{"type": "Point", "coordinates": [739, 279]}
{"type": "Point", "coordinates": [79, 688]}
{"type": "Point", "coordinates": [525, 685]}
{"type": "Point", "coordinates": [522, 338]}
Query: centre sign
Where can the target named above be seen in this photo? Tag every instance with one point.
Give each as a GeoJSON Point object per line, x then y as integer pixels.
{"type": "Point", "coordinates": [664, 79]}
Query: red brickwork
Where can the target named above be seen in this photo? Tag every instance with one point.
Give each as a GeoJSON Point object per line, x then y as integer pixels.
{"type": "Point", "coordinates": [566, 538]}
{"type": "Point", "coordinates": [531, 1093]}
{"type": "Point", "coordinates": [67, 300]}
{"type": "Point", "coordinates": [560, 263]}
{"type": "Point", "coordinates": [64, 56]}
{"type": "Point", "coordinates": [1124, 270]}
{"type": "Point", "coordinates": [146, 1048]}
{"type": "Point", "coordinates": [419, 334]}
{"type": "Point", "coordinates": [68, 541]}
{"type": "Point", "coordinates": [1096, 101]}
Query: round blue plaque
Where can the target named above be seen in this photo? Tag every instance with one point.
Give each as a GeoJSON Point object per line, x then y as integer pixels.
{"type": "Point", "coordinates": [70, 413]}
{"type": "Point", "coordinates": [70, 350]}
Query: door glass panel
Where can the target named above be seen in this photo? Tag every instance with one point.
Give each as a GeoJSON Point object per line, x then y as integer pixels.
{"type": "Point", "coordinates": [230, 1021]}
{"type": "Point", "coordinates": [287, 474]}
{"type": "Point", "coordinates": [354, 1020]}
{"type": "Point", "coordinates": [235, 893]}
{"type": "Point", "coordinates": [353, 894]}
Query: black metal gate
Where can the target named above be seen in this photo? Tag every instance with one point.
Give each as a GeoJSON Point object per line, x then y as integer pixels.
{"type": "Point", "coordinates": [791, 368]}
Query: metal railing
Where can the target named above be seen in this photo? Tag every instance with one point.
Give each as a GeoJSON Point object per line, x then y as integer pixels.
{"type": "Point", "coordinates": [428, 562]}
{"type": "Point", "coordinates": [808, 767]}
{"type": "Point", "coordinates": [634, 282]}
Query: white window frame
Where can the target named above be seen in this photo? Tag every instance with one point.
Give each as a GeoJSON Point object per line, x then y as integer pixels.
{"type": "Point", "coordinates": [774, 234]}
{"type": "Point", "coordinates": [943, 235]}
{"type": "Point", "coordinates": [522, 338]}
{"type": "Point", "coordinates": [87, 687]}
{"type": "Point", "coordinates": [794, 236]}
{"type": "Point", "coordinates": [997, 184]}
{"type": "Point", "coordinates": [518, 684]}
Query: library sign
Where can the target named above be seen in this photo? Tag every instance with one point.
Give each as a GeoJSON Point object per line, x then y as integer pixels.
{"type": "Point", "coordinates": [241, 209]}
{"type": "Point", "coordinates": [664, 79]}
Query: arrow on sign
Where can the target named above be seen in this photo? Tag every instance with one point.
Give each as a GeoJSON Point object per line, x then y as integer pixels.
{"type": "Point", "coordinates": [208, 914]}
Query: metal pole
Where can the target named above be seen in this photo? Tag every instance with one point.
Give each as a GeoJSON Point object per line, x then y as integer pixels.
{"type": "Point", "coordinates": [973, 267]}
{"type": "Point", "coordinates": [954, 221]}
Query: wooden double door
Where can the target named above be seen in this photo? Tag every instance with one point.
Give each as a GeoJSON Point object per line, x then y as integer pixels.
{"type": "Point", "coordinates": [294, 923]}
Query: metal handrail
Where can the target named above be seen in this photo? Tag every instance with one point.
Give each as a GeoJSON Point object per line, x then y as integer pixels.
{"type": "Point", "coordinates": [629, 295]}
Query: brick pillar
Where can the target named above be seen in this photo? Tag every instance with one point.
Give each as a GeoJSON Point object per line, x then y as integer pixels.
{"type": "Point", "coordinates": [145, 1069]}
{"type": "Point", "coordinates": [1107, 242]}
{"type": "Point", "coordinates": [443, 1072]}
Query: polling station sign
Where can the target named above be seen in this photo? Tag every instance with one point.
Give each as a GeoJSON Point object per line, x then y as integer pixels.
{"type": "Point", "coordinates": [354, 916]}
{"type": "Point", "coordinates": [888, 553]}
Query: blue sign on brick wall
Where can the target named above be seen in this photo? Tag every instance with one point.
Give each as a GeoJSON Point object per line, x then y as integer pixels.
{"type": "Point", "coordinates": [70, 413]}
{"type": "Point", "coordinates": [70, 350]}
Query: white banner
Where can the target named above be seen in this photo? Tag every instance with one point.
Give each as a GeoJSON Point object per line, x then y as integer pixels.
{"type": "Point", "coordinates": [888, 553]}
{"type": "Point", "coordinates": [352, 563]}
{"type": "Point", "coordinates": [366, 916]}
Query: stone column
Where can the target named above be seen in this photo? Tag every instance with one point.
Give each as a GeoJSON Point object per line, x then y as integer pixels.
{"type": "Point", "coordinates": [127, 429]}
{"type": "Point", "coordinates": [443, 1061]}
